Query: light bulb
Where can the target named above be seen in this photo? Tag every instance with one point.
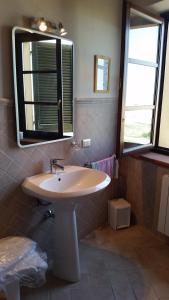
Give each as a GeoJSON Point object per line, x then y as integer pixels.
{"type": "Point", "coordinates": [43, 26]}
{"type": "Point", "coordinates": [62, 29]}
{"type": "Point", "coordinates": [64, 32]}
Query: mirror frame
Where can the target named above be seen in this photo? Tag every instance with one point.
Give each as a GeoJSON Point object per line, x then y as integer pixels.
{"type": "Point", "coordinates": [14, 29]}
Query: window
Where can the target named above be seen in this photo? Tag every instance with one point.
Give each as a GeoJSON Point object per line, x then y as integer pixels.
{"type": "Point", "coordinates": [140, 74]}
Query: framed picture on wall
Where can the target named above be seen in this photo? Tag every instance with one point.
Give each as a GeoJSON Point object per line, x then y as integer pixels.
{"type": "Point", "coordinates": [101, 74]}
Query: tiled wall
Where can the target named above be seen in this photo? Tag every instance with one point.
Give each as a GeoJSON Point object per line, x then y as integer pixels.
{"type": "Point", "coordinates": [19, 214]}
{"type": "Point", "coordinates": [95, 119]}
{"type": "Point", "coordinates": [141, 185]}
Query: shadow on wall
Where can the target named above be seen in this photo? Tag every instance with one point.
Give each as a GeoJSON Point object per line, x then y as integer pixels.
{"type": "Point", "coordinates": [141, 185]}
{"type": "Point", "coordinates": [148, 190]}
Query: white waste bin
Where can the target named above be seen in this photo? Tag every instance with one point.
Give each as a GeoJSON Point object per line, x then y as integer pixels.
{"type": "Point", "coordinates": [119, 213]}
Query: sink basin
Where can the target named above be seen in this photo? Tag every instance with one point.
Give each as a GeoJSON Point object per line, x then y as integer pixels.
{"type": "Point", "coordinates": [74, 181]}
{"type": "Point", "coordinates": [62, 189]}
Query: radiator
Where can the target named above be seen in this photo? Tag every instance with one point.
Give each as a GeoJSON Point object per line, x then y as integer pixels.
{"type": "Point", "coordinates": [163, 220]}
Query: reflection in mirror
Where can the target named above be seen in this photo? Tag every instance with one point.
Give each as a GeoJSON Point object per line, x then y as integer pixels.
{"type": "Point", "coordinates": [43, 76]}
{"type": "Point", "coordinates": [141, 75]}
{"type": "Point", "coordinates": [102, 71]}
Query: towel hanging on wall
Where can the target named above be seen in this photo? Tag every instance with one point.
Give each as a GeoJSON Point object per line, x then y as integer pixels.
{"type": "Point", "coordinates": [108, 165]}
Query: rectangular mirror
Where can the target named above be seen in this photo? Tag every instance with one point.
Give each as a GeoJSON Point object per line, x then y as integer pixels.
{"type": "Point", "coordinates": [101, 74]}
{"type": "Point", "coordinates": [43, 82]}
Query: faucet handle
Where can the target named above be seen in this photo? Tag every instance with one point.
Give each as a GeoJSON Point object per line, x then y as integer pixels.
{"type": "Point", "coordinates": [54, 160]}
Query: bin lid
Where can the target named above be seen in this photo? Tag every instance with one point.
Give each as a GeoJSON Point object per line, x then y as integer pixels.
{"type": "Point", "coordinates": [119, 203]}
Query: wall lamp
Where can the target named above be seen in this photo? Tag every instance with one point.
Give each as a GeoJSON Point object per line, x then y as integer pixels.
{"type": "Point", "coordinates": [44, 25]}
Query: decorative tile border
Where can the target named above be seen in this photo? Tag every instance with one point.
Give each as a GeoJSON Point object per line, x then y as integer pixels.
{"type": "Point", "coordinates": [95, 100]}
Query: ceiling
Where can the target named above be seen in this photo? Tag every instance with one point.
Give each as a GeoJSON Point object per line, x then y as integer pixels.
{"type": "Point", "coordinates": [153, 5]}
{"type": "Point", "coordinates": [160, 6]}
{"type": "Point", "coordinates": [146, 2]}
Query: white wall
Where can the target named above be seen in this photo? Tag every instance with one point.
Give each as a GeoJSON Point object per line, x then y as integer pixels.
{"type": "Point", "coordinates": [94, 26]}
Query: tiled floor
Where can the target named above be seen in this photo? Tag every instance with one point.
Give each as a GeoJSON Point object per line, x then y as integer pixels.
{"type": "Point", "coordinates": [131, 264]}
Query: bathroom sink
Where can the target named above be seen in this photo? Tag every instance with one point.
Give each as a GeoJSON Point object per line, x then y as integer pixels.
{"type": "Point", "coordinates": [74, 181]}
{"type": "Point", "coordinates": [63, 190]}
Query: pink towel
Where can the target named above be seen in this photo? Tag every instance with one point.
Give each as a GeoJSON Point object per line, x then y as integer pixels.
{"type": "Point", "coordinates": [106, 165]}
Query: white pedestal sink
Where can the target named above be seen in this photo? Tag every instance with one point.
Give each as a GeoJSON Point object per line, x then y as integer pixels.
{"type": "Point", "coordinates": [63, 188]}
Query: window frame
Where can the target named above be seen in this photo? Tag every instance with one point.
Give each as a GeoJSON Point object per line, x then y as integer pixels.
{"type": "Point", "coordinates": [157, 148]}
{"type": "Point", "coordinates": [127, 6]}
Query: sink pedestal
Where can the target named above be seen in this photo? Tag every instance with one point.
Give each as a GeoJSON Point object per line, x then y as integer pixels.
{"type": "Point", "coordinates": [66, 263]}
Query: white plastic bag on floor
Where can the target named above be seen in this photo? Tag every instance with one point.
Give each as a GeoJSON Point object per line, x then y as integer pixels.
{"type": "Point", "coordinates": [21, 259]}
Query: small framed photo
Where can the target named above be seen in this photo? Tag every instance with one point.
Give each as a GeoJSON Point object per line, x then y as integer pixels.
{"type": "Point", "coordinates": [101, 74]}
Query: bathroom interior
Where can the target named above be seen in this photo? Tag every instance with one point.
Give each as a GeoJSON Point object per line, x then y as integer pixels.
{"type": "Point", "coordinates": [82, 148]}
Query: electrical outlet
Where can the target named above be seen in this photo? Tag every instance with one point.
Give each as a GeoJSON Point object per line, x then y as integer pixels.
{"type": "Point", "coordinates": [86, 143]}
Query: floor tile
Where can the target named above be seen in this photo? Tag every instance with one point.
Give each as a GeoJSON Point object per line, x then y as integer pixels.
{"type": "Point", "coordinates": [35, 294]}
{"type": "Point", "coordinates": [93, 293]}
{"type": "Point", "coordinates": [57, 294]}
{"type": "Point", "coordinates": [123, 292]}
{"type": "Point", "coordinates": [144, 292]}
{"type": "Point", "coordinates": [2, 296]}
{"type": "Point", "coordinates": [129, 264]}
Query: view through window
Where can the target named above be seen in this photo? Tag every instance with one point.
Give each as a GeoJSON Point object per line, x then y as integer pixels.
{"type": "Point", "coordinates": [141, 79]}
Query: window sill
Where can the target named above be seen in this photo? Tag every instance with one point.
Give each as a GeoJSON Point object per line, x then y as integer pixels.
{"type": "Point", "coordinates": [155, 158]}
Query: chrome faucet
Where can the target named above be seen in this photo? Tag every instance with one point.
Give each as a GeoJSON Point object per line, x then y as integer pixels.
{"type": "Point", "coordinates": [54, 165]}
